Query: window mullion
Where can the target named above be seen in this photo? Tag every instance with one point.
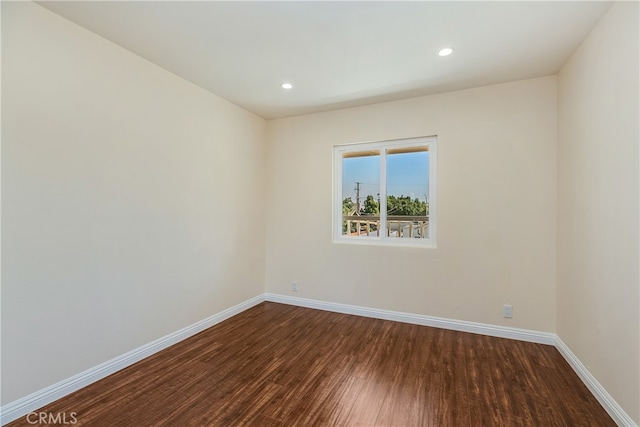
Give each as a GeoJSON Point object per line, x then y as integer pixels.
{"type": "Point", "coordinates": [383, 193]}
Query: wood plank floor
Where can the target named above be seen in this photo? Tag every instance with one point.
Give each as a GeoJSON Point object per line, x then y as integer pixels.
{"type": "Point", "coordinates": [280, 365]}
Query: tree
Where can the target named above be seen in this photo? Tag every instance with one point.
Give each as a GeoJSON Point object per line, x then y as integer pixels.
{"type": "Point", "coordinates": [371, 206]}
{"type": "Point", "coordinates": [348, 207]}
{"type": "Point", "coordinates": [403, 205]}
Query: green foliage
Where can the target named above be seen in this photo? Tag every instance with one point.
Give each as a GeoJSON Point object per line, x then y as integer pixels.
{"type": "Point", "coordinates": [370, 207]}
{"type": "Point", "coordinates": [348, 207]}
{"type": "Point", "coordinates": [403, 205]}
{"type": "Point", "coordinates": [398, 206]}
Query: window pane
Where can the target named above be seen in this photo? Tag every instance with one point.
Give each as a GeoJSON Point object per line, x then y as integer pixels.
{"type": "Point", "coordinates": [361, 193]}
{"type": "Point", "coordinates": [408, 192]}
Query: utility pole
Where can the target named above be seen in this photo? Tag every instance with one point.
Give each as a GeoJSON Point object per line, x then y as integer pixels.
{"type": "Point", "coordinates": [358, 197]}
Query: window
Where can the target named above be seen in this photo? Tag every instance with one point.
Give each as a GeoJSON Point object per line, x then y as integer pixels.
{"type": "Point", "coordinates": [384, 192]}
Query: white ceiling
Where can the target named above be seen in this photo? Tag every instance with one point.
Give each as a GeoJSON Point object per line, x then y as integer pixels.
{"type": "Point", "coordinates": [337, 53]}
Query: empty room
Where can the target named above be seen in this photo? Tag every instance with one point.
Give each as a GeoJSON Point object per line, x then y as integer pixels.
{"type": "Point", "coordinates": [333, 213]}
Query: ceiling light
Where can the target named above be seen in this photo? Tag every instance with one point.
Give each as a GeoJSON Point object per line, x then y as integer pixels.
{"type": "Point", "coordinates": [446, 51]}
{"type": "Point", "coordinates": [286, 86]}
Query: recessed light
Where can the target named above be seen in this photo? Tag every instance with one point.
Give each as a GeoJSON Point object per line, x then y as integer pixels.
{"type": "Point", "coordinates": [446, 51]}
{"type": "Point", "coordinates": [286, 86]}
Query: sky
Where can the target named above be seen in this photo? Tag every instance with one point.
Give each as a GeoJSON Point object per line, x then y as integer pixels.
{"type": "Point", "coordinates": [407, 175]}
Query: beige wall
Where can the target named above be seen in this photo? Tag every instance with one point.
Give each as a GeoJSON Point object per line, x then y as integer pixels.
{"type": "Point", "coordinates": [598, 278]}
{"type": "Point", "coordinates": [496, 207]}
{"type": "Point", "coordinates": [133, 204]}
{"type": "Point", "coordinates": [132, 201]}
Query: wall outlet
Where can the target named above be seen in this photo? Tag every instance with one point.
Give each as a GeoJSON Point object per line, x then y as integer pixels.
{"type": "Point", "coordinates": [507, 311]}
{"type": "Point", "coordinates": [294, 286]}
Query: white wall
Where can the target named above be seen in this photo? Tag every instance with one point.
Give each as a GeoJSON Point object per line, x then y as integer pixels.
{"type": "Point", "coordinates": [132, 201]}
{"type": "Point", "coordinates": [598, 277]}
{"type": "Point", "coordinates": [496, 207]}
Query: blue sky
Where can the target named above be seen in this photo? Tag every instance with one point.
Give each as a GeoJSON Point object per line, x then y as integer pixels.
{"type": "Point", "coordinates": [407, 175]}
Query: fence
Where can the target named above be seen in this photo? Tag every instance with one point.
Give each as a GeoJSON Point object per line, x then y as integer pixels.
{"type": "Point", "coordinates": [397, 226]}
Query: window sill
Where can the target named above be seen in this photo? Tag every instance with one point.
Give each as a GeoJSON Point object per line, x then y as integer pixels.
{"type": "Point", "coordinates": [376, 241]}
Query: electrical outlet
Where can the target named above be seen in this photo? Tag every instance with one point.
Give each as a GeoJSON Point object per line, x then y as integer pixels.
{"type": "Point", "coordinates": [294, 286]}
{"type": "Point", "coordinates": [507, 311]}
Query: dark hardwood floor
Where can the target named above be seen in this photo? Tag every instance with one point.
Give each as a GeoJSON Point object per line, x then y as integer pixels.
{"type": "Point", "coordinates": [280, 365]}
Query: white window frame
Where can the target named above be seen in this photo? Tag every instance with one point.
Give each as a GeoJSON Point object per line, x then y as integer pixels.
{"type": "Point", "coordinates": [382, 239]}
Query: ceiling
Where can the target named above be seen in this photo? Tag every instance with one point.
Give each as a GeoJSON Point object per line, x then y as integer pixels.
{"type": "Point", "coordinates": [337, 53]}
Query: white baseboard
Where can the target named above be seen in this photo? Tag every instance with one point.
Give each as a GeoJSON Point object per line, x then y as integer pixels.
{"type": "Point", "coordinates": [32, 402]}
{"type": "Point", "coordinates": [614, 410]}
{"type": "Point", "coordinates": [608, 403]}
{"type": "Point", "coordinates": [418, 319]}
